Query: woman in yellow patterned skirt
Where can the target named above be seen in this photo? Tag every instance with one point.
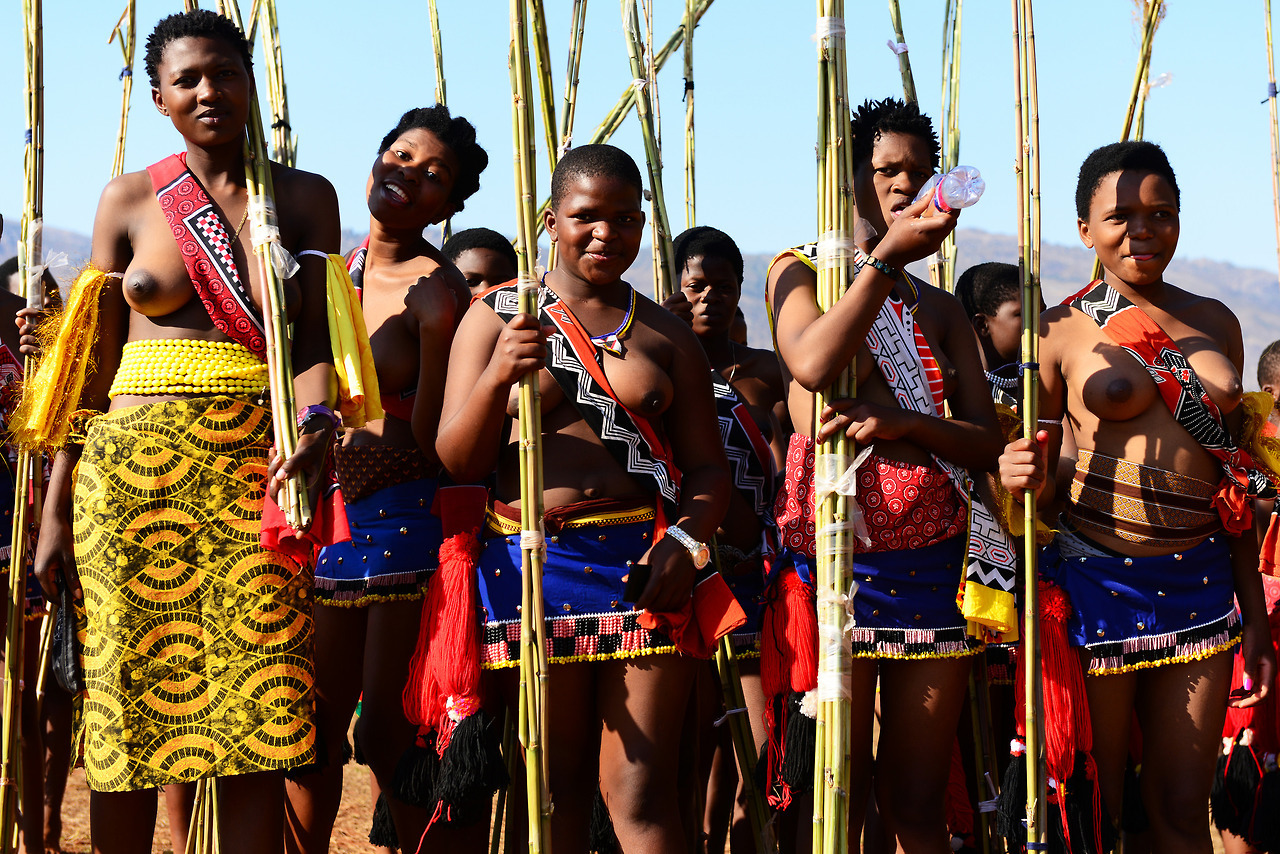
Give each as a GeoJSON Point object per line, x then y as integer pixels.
{"type": "Point", "coordinates": [195, 640]}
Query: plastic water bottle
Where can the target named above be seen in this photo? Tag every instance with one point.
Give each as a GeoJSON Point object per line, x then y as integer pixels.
{"type": "Point", "coordinates": [959, 188]}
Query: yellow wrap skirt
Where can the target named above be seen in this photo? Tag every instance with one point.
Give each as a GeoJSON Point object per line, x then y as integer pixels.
{"type": "Point", "coordinates": [196, 642]}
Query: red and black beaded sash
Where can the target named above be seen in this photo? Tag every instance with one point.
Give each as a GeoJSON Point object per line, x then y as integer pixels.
{"type": "Point", "coordinates": [1133, 329]}
{"type": "Point", "coordinates": [572, 360]}
{"type": "Point", "coordinates": [206, 250]}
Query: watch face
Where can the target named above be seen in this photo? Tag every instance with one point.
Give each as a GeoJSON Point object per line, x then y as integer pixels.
{"type": "Point", "coordinates": [701, 556]}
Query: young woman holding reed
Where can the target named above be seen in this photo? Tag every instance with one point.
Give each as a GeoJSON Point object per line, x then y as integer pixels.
{"type": "Point", "coordinates": [196, 641]}
{"type": "Point", "coordinates": [1156, 546]}
{"type": "Point", "coordinates": [630, 444]}
{"type": "Point", "coordinates": [908, 632]}
{"type": "Point", "coordinates": [369, 590]}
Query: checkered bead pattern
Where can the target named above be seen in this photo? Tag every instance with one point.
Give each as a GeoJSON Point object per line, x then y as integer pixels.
{"type": "Point", "coordinates": [593, 637]}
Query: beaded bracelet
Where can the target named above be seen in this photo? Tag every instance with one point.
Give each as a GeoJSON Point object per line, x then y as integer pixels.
{"type": "Point", "coordinates": [891, 272]}
{"type": "Point", "coordinates": [307, 412]}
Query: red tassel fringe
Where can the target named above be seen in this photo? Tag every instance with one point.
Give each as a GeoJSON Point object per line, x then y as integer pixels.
{"type": "Point", "coordinates": [788, 662]}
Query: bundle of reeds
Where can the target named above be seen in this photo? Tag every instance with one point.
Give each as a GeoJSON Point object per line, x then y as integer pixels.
{"type": "Point", "coordinates": [293, 498]}
{"type": "Point", "coordinates": [664, 274]}
{"type": "Point", "coordinates": [1153, 12]}
{"type": "Point", "coordinates": [283, 140]}
{"type": "Point", "coordinates": [578, 24]}
{"type": "Point", "coordinates": [26, 505]}
{"type": "Point", "coordinates": [202, 835]}
{"type": "Point", "coordinates": [1275, 127]}
{"type": "Point", "coordinates": [1028, 180]}
{"type": "Point", "coordinates": [126, 29]}
{"type": "Point", "coordinates": [744, 746]}
{"type": "Point", "coordinates": [532, 718]}
{"type": "Point", "coordinates": [832, 768]}
{"type": "Point", "coordinates": [904, 59]}
{"type": "Point", "coordinates": [690, 190]}
{"type": "Point", "coordinates": [627, 99]}
{"type": "Point", "coordinates": [942, 266]}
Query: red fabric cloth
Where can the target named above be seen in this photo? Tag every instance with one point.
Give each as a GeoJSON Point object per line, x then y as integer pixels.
{"type": "Point", "coordinates": [709, 615]}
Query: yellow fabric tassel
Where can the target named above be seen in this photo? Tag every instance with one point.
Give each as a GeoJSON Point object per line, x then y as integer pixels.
{"type": "Point", "coordinates": [67, 342]}
{"type": "Point", "coordinates": [990, 613]}
{"type": "Point", "coordinates": [360, 400]}
{"type": "Point", "coordinates": [1265, 450]}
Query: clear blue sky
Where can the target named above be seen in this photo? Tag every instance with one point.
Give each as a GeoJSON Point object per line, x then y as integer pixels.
{"type": "Point", "coordinates": [353, 67]}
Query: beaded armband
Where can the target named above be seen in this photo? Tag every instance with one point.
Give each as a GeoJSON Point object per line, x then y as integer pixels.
{"type": "Point", "coordinates": [891, 272]}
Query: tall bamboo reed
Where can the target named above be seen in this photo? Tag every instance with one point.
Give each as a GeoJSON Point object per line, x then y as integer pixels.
{"type": "Point", "coordinates": [532, 717]}
{"type": "Point", "coordinates": [1152, 13]}
{"type": "Point", "coordinates": [690, 189]}
{"type": "Point", "coordinates": [627, 100]}
{"type": "Point", "coordinates": [283, 140]}
{"type": "Point", "coordinates": [664, 272]}
{"type": "Point", "coordinates": [832, 764]}
{"type": "Point", "coordinates": [744, 746]}
{"type": "Point", "coordinates": [1028, 146]}
{"type": "Point", "coordinates": [942, 266]}
{"type": "Point", "coordinates": [126, 29]}
{"type": "Point", "coordinates": [1275, 129]}
{"type": "Point", "coordinates": [542, 55]}
{"type": "Point", "coordinates": [296, 502]}
{"type": "Point", "coordinates": [904, 59]}
{"type": "Point", "coordinates": [578, 24]}
{"type": "Point", "coordinates": [437, 51]}
{"type": "Point", "coordinates": [26, 496]}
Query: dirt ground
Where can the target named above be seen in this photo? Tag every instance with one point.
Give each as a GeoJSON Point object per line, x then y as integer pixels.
{"type": "Point", "coordinates": [350, 834]}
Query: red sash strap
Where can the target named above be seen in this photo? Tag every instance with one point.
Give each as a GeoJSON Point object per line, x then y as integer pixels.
{"type": "Point", "coordinates": [629, 438]}
{"type": "Point", "coordinates": [206, 250]}
{"type": "Point", "coordinates": [1180, 388]}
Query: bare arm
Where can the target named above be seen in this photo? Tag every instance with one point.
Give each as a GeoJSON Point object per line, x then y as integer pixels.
{"type": "Point", "coordinates": [436, 303]}
{"type": "Point", "coordinates": [487, 359]}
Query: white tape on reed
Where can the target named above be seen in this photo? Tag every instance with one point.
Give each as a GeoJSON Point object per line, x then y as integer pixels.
{"type": "Point", "coordinates": [526, 283]}
{"type": "Point", "coordinates": [565, 145]}
{"type": "Point", "coordinates": [831, 544]}
{"type": "Point", "coordinates": [264, 231]}
{"type": "Point", "coordinates": [835, 248]}
{"type": "Point", "coordinates": [833, 681]}
{"type": "Point", "coordinates": [899, 48]}
{"type": "Point", "coordinates": [639, 83]}
{"type": "Point", "coordinates": [833, 473]}
{"type": "Point", "coordinates": [829, 28]}
{"type": "Point", "coordinates": [534, 541]}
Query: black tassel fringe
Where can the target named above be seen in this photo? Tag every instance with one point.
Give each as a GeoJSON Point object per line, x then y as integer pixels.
{"type": "Point", "coordinates": [602, 838]}
{"type": "Point", "coordinates": [798, 744]}
{"type": "Point", "coordinates": [383, 831]}
{"type": "Point", "coordinates": [471, 769]}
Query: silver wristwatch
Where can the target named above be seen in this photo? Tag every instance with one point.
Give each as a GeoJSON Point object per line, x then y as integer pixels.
{"type": "Point", "coordinates": [698, 551]}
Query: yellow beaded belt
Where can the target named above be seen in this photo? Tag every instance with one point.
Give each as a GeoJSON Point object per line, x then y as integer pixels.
{"type": "Point", "coordinates": [188, 366]}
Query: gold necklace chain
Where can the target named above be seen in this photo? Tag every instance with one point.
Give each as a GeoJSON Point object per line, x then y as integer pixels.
{"type": "Point", "coordinates": [243, 219]}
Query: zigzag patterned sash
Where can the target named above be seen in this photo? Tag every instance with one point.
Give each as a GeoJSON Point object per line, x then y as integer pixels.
{"type": "Point", "coordinates": [572, 362]}
{"type": "Point", "coordinates": [206, 251]}
{"type": "Point", "coordinates": [986, 597]}
{"type": "Point", "coordinates": [1133, 329]}
{"type": "Point", "coordinates": [750, 460]}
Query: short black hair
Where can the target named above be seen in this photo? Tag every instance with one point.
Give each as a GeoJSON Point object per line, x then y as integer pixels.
{"type": "Point", "coordinates": [983, 288]}
{"type": "Point", "coordinates": [199, 23]}
{"type": "Point", "coordinates": [479, 238]}
{"type": "Point", "coordinates": [703, 241]}
{"type": "Point", "coordinates": [1269, 364]}
{"type": "Point", "coordinates": [1138, 155]}
{"type": "Point", "coordinates": [455, 132]}
{"type": "Point", "coordinates": [876, 118]}
{"type": "Point", "coordinates": [589, 161]}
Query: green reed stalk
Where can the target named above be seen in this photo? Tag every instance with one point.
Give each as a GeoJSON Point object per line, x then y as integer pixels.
{"type": "Point", "coordinates": [26, 494]}
{"type": "Point", "coordinates": [664, 273]}
{"type": "Point", "coordinates": [533, 721]}
{"type": "Point", "coordinates": [832, 765]}
{"type": "Point", "coordinates": [613, 120]}
{"type": "Point", "coordinates": [126, 29]}
{"type": "Point", "coordinates": [437, 51]}
{"type": "Point", "coordinates": [1028, 147]}
{"type": "Point", "coordinates": [744, 746]}
{"type": "Point", "coordinates": [577, 27]}
{"type": "Point", "coordinates": [942, 266]}
{"type": "Point", "coordinates": [283, 140]}
{"type": "Point", "coordinates": [296, 504]}
{"type": "Point", "coordinates": [690, 190]}
{"type": "Point", "coordinates": [1275, 129]}
{"type": "Point", "coordinates": [542, 57]}
{"type": "Point", "coordinates": [904, 58]}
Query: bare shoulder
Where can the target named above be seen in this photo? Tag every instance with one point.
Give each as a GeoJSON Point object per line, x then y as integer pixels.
{"type": "Point", "coordinates": [302, 191]}
{"type": "Point", "coordinates": [789, 271]}
{"type": "Point", "coordinates": [667, 326]}
{"type": "Point", "coordinates": [124, 193]}
{"type": "Point", "coordinates": [762, 364]}
{"type": "Point", "coordinates": [1211, 315]}
{"type": "Point", "coordinates": [944, 305]}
